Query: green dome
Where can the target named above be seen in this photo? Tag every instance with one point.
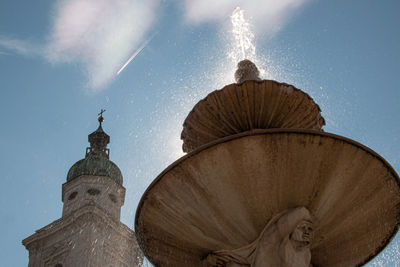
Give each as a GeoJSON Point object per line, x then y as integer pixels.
{"type": "Point", "coordinates": [96, 161]}
{"type": "Point", "coordinates": [97, 165]}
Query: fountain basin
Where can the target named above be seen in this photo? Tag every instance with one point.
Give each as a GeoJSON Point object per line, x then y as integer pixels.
{"type": "Point", "coordinates": [221, 195]}
{"type": "Point", "coordinates": [247, 106]}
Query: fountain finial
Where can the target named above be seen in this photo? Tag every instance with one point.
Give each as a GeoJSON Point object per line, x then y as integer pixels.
{"type": "Point", "coordinates": [247, 70]}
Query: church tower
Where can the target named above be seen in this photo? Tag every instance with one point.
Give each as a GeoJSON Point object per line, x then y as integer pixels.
{"type": "Point", "coordinates": [89, 233]}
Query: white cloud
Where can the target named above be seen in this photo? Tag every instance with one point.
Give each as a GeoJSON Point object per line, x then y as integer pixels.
{"type": "Point", "coordinates": [99, 34]}
{"type": "Point", "coordinates": [19, 46]}
{"type": "Point", "coordinates": [266, 15]}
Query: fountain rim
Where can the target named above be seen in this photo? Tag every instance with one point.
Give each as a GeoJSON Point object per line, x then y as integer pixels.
{"type": "Point", "coordinates": [258, 81]}
{"type": "Point", "coordinates": [218, 92]}
{"type": "Point", "coordinates": [256, 132]}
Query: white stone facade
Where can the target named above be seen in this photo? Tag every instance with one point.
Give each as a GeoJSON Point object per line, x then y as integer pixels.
{"type": "Point", "coordinates": [90, 233]}
{"type": "Point", "coordinates": [86, 237]}
{"type": "Point", "coordinates": [100, 191]}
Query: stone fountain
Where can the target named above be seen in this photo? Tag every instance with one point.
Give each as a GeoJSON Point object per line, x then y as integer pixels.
{"type": "Point", "coordinates": [263, 185]}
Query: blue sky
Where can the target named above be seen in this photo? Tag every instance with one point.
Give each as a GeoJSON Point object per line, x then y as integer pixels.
{"type": "Point", "coordinates": [57, 70]}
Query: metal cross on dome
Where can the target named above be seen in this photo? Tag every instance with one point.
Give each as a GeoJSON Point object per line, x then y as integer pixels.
{"type": "Point", "coordinates": [101, 119]}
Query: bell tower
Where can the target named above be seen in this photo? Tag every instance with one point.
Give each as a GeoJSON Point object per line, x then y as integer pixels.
{"type": "Point", "coordinates": [89, 233]}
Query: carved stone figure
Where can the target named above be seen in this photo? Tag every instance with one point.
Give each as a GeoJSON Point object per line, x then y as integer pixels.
{"type": "Point", "coordinates": [247, 70]}
{"type": "Point", "coordinates": [284, 242]}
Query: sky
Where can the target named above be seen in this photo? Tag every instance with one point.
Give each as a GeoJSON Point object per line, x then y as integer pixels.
{"type": "Point", "coordinates": [59, 62]}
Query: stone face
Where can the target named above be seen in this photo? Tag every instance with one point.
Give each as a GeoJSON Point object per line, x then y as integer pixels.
{"type": "Point", "coordinates": [221, 196]}
{"type": "Point", "coordinates": [247, 106]}
{"type": "Point", "coordinates": [285, 241]}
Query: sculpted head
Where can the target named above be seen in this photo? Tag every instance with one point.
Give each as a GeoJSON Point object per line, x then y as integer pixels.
{"type": "Point", "coordinates": [285, 241]}
{"type": "Point", "coordinates": [303, 233]}
{"type": "Point", "coordinates": [246, 70]}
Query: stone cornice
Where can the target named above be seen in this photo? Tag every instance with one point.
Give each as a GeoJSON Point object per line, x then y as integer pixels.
{"type": "Point", "coordinates": [61, 223]}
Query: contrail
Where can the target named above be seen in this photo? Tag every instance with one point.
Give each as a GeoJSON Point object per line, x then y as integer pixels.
{"type": "Point", "coordinates": [137, 52]}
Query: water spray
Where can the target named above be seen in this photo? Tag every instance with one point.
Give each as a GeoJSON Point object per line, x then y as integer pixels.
{"type": "Point", "coordinates": [242, 38]}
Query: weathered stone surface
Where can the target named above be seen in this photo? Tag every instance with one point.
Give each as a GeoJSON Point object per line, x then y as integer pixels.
{"type": "Point", "coordinates": [221, 196]}
{"type": "Point", "coordinates": [250, 105]}
{"type": "Point", "coordinates": [87, 237]}
{"type": "Point", "coordinates": [101, 191]}
{"type": "Point", "coordinates": [285, 242]}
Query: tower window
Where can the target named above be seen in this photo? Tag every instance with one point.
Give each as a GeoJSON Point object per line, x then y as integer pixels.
{"type": "Point", "coordinates": [113, 198]}
{"type": "Point", "coordinates": [93, 191]}
{"type": "Point", "coordinates": [72, 195]}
